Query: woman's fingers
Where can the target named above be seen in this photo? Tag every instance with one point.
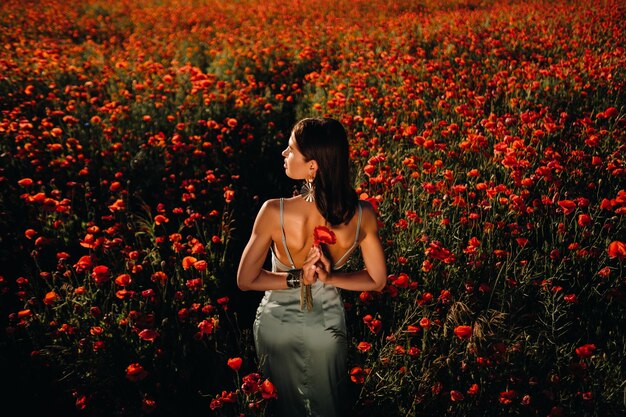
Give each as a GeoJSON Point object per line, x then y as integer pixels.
{"type": "Point", "coordinates": [308, 268]}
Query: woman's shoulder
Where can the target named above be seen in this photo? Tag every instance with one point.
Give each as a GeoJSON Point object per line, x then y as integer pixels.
{"type": "Point", "coordinates": [369, 214]}
{"type": "Point", "coordinates": [270, 205]}
{"type": "Point", "coordinates": [267, 216]}
{"type": "Point", "coordinates": [367, 207]}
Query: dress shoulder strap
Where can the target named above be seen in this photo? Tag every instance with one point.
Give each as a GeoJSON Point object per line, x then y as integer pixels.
{"type": "Point", "coordinates": [358, 224]}
{"type": "Point", "coordinates": [356, 238]}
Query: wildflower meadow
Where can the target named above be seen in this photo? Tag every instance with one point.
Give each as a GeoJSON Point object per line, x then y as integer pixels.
{"type": "Point", "coordinates": [138, 141]}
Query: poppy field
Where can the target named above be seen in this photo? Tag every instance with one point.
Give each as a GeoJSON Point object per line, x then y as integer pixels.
{"type": "Point", "coordinates": [138, 141]}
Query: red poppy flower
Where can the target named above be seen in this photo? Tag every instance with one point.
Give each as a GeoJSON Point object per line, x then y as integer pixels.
{"type": "Point", "coordinates": [456, 395]}
{"type": "Point", "coordinates": [364, 346]}
{"type": "Point", "coordinates": [463, 332]}
{"type": "Point", "coordinates": [411, 329]}
{"type": "Point", "coordinates": [81, 402]}
{"type": "Point", "coordinates": [611, 112]}
{"type": "Point", "coordinates": [584, 220]}
{"type": "Point", "coordinates": [250, 383]}
{"type": "Point", "coordinates": [160, 219]}
{"type": "Point", "coordinates": [188, 262]}
{"type": "Point", "coordinates": [414, 351]}
{"type": "Point", "coordinates": [25, 182]}
{"type": "Point", "coordinates": [50, 298]}
{"type": "Point", "coordinates": [207, 326]}
{"type": "Point", "coordinates": [160, 277]}
{"type": "Point", "coordinates": [268, 390]}
{"type": "Point", "coordinates": [123, 280]}
{"type": "Point", "coordinates": [357, 375]}
{"type": "Point", "coordinates": [568, 206]}
{"type": "Point", "coordinates": [322, 234]}
{"type": "Point", "coordinates": [216, 404]}
{"type": "Point", "coordinates": [507, 397]}
{"type": "Point", "coordinates": [148, 404]}
{"type": "Point", "coordinates": [200, 265]}
{"type": "Point", "coordinates": [83, 264]}
{"type": "Point", "coordinates": [101, 274]}
{"type": "Point", "coordinates": [235, 363]}
{"type": "Point", "coordinates": [586, 350]}
{"type": "Point", "coordinates": [229, 397]}
{"type": "Point", "coordinates": [473, 390]}
{"type": "Point", "coordinates": [617, 249]}
{"type": "Point", "coordinates": [135, 372]}
{"type": "Point", "coordinates": [148, 335]}
{"type": "Point", "coordinates": [24, 314]}
{"type": "Point", "coordinates": [223, 301]}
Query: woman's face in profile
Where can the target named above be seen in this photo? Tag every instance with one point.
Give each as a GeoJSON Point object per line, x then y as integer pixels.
{"type": "Point", "coordinates": [296, 167]}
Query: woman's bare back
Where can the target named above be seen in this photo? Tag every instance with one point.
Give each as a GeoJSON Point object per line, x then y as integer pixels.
{"type": "Point", "coordinates": [299, 220]}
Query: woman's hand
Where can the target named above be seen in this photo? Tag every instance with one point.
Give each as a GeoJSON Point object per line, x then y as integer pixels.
{"type": "Point", "coordinates": [309, 268]}
{"type": "Point", "coordinates": [322, 266]}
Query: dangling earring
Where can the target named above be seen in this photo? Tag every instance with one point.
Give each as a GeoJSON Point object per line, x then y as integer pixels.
{"type": "Point", "coordinates": [308, 191]}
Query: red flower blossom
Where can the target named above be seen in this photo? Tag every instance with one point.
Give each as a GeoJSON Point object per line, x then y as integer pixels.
{"type": "Point", "coordinates": [83, 264]}
{"type": "Point", "coordinates": [194, 284]}
{"type": "Point", "coordinates": [251, 383]}
{"type": "Point", "coordinates": [585, 351]}
{"type": "Point", "coordinates": [50, 298]}
{"type": "Point", "coordinates": [25, 182]}
{"type": "Point", "coordinates": [135, 372]}
{"type": "Point", "coordinates": [188, 262]}
{"type": "Point", "coordinates": [463, 332]}
{"type": "Point", "coordinates": [414, 351]}
{"type": "Point", "coordinates": [216, 404]}
{"type": "Point", "coordinates": [357, 375]}
{"type": "Point", "coordinates": [148, 335]}
{"type": "Point", "coordinates": [268, 390]}
{"type": "Point", "coordinates": [617, 250]}
{"type": "Point", "coordinates": [148, 404]}
{"type": "Point", "coordinates": [123, 280]}
{"type": "Point", "coordinates": [473, 390]}
{"type": "Point", "coordinates": [507, 397]}
{"type": "Point", "coordinates": [207, 326]}
{"type": "Point", "coordinates": [159, 277]}
{"type": "Point", "coordinates": [456, 395]}
{"type": "Point", "coordinates": [223, 301]}
{"type": "Point", "coordinates": [235, 363]}
{"type": "Point", "coordinates": [118, 205]}
{"type": "Point", "coordinates": [229, 196]}
{"type": "Point", "coordinates": [101, 274]}
{"type": "Point", "coordinates": [411, 329]}
{"type": "Point", "coordinates": [229, 397]}
{"type": "Point", "coordinates": [24, 314]}
{"type": "Point", "coordinates": [160, 219]}
{"type": "Point", "coordinates": [364, 346]}
{"type": "Point", "coordinates": [322, 234]}
{"type": "Point", "coordinates": [568, 206]}
{"type": "Point", "coordinates": [81, 402]}
{"type": "Point", "coordinates": [373, 324]}
{"type": "Point", "coordinates": [200, 265]}
{"type": "Point", "coordinates": [584, 220]}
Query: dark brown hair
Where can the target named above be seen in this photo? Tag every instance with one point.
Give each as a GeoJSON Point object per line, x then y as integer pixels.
{"type": "Point", "coordinates": [325, 141]}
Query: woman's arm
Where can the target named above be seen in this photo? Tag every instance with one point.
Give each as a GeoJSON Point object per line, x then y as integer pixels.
{"type": "Point", "coordinates": [251, 275]}
{"type": "Point", "coordinates": [374, 276]}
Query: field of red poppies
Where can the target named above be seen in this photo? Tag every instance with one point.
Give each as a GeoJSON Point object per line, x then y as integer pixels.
{"type": "Point", "coordinates": [139, 139]}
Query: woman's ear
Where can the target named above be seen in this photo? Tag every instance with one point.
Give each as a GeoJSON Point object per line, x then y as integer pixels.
{"type": "Point", "coordinates": [312, 166]}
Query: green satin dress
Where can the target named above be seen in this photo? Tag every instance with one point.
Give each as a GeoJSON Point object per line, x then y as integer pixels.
{"type": "Point", "coordinates": [304, 353]}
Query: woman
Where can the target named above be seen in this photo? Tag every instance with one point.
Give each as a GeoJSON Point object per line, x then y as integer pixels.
{"type": "Point", "coordinates": [302, 351]}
